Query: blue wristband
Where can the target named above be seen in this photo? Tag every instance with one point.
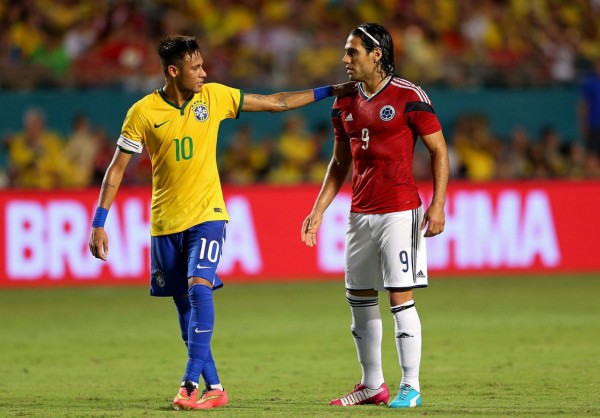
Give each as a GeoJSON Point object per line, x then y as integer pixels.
{"type": "Point", "coordinates": [321, 93]}
{"type": "Point", "coordinates": [99, 217]}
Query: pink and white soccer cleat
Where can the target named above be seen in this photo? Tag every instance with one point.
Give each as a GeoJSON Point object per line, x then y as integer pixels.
{"type": "Point", "coordinates": [362, 395]}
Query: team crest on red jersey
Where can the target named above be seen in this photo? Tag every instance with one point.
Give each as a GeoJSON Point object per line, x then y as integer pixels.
{"type": "Point", "coordinates": [387, 113]}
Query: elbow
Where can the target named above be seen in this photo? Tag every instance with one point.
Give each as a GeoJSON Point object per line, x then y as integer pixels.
{"type": "Point", "coordinates": [279, 107]}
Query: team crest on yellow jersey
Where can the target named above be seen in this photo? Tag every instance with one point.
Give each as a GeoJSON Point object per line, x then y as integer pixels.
{"type": "Point", "coordinates": [200, 111]}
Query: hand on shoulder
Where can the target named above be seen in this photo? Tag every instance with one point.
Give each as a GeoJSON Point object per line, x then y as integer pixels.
{"type": "Point", "coordinates": [345, 89]}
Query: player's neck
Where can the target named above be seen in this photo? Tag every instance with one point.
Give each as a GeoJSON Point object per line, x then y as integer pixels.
{"type": "Point", "coordinates": [174, 95]}
{"type": "Point", "coordinates": [371, 87]}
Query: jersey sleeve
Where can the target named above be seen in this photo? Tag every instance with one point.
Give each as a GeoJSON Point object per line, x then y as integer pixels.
{"type": "Point", "coordinates": [420, 115]}
{"type": "Point", "coordinates": [339, 132]}
{"type": "Point", "coordinates": [132, 133]}
{"type": "Point", "coordinates": [229, 100]}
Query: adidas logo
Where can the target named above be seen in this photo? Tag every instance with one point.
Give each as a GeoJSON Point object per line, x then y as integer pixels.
{"type": "Point", "coordinates": [349, 118]}
{"type": "Point", "coordinates": [404, 335]}
{"type": "Point", "coordinates": [420, 274]}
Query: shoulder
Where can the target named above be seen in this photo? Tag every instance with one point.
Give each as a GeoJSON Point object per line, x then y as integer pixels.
{"type": "Point", "coordinates": [218, 88]}
{"type": "Point", "coordinates": [137, 115]}
{"type": "Point", "coordinates": [344, 101]}
{"type": "Point", "coordinates": [409, 90]}
{"type": "Point", "coordinates": [220, 93]}
{"type": "Point", "coordinates": [142, 104]}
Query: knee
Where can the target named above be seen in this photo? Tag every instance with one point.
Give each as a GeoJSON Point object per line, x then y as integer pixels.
{"type": "Point", "coordinates": [182, 302]}
{"type": "Point", "coordinates": [199, 281]}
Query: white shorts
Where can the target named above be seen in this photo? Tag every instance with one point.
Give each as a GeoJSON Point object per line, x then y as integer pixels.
{"type": "Point", "coordinates": [386, 251]}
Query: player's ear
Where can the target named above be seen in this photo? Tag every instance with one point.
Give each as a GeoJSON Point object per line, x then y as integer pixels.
{"type": "Point", "coordinates": [376, 54]}
{"type": "Point", "coordinates": [173, 70]}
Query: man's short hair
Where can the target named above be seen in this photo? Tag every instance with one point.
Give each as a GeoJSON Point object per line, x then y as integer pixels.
{"type": "Point", "coordinates": [174, 49]}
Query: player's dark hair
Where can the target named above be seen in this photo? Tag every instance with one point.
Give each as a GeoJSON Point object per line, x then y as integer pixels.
{"type": "Point", "coordinates": [175, 48]}
{"type": "Point", "coordinates": [380, 34]}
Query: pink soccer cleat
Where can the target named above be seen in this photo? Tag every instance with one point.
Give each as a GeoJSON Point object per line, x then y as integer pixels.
{"type": "Point", "coordinates": [362, 395]}
{"type": "Point", "coordinates": [211, 398]}
{"type": "Point", "coordinates": [186, 397]}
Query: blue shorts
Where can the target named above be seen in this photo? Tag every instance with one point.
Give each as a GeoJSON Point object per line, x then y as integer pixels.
{"type": "Point", "coordinates": [195, 252]}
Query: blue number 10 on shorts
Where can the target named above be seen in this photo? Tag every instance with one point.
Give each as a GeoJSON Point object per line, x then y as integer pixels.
{"type": "Point", "coordinates": [195, 252]}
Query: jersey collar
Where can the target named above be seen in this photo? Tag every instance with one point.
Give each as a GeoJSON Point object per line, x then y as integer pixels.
{"type": "Point", "coordinates": [164, 97]}
{"type": "Point", "coordinates": [366, 97]}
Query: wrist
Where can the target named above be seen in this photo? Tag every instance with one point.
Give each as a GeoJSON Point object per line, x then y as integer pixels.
{"type": "Point", "coordinates": [438, 203]}
{"type": "Point", "coordinates": [321, 93]}
{"type": "Point", "coordinates": [99, 217]}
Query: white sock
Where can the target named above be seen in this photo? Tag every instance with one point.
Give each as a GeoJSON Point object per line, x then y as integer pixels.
{"type": "Point", "coordinates": [217, 386]}
{"type": "Point", "coordinates": [408, 342]}
{"type": "Point", "coordinates": [367, 332]}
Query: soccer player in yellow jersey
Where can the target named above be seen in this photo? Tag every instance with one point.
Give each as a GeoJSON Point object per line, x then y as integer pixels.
{"type": "Point", "coordinates": [178, 124]}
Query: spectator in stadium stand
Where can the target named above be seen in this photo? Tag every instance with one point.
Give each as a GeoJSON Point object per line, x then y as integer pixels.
{"type": "Point", "coordinates": [296, 149]}
{"type": "Point", "coordinates": [375, 133]}
{"type": "Point", "coordinates": [514, 160]}
{"type": "Point", "coordinates": [476, 147]}
{"type": "Point", "coordinates": [589, 109]}
{"type": "Point", "coordinates": [81, 150]}
{"type": "Point", "coordinates": [178, 125]}
{"type": "Point", "coordinates": [36, 157]}
{"type": "Point", "coordinates": [236, 161]}
{"type": "Point", "coordinates": [554, 151]}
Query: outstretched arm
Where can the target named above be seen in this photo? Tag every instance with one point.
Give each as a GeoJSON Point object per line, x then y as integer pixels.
{"type": "Point", "coordinates": [434, 217]}
{"type": "Point", "coordinates": [112, 180]}
{"type": "Point", "coordinates": [334, 179]}
{"type": "Point", "coordinates": [280, 102]}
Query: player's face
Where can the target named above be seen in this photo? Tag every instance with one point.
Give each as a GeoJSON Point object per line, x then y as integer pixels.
{"type": "Point", "coordinates": [190, 74]}
{"type": "Point", "coordinates": [360, 65]}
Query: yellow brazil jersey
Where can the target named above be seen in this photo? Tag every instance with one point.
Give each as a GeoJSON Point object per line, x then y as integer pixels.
{"type": "Point", "coordinates": [182, 144]}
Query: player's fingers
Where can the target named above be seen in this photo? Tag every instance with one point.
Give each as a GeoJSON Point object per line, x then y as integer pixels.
{"type": "Point", "coordinates": [304, 230]}
{"type": "Point", "coordinates": [93, 248]}
{"type": "Point", "coordinates": [310, 226]}
{"type": "Point", "coordinates": [424, 222]}
{"type": "Point", "coordinates": [435, 228]}
{"type": "Point", "coordinates": [310, 238]}
{"type": "Point", "coordinates": [313, 238]}
{"type": "Point", "coordinates": [104, 249]}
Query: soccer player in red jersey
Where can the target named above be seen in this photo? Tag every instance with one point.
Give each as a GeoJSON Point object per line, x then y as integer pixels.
{"type": "Point", "coordinates": [375, 131]}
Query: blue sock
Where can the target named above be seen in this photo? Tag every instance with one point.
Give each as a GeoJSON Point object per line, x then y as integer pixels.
{"type": "Point", "coordinates": [184, 309]}
{"type": "Point", "coordinates": [209, 372]}
{"type": "Point", "coordinates": [202, 320]}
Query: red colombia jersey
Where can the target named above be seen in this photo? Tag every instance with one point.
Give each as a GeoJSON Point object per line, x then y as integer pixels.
{"type": "Point", "coordinates": [382, 130]}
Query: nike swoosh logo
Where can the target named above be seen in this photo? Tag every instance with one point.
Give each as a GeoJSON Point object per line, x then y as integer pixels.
{"type": "Point", "coordinates": [198, 266]}
{"type": "Point", "coordinates": [200, 331]}
{"type": "Point", "coordinates": [209, 398]}
{"type": "Point", "coordinates": [160, 124]}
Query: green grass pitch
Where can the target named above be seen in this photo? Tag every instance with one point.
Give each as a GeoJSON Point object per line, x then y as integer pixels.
{"type": "Point", "coordinates": [511, 346]}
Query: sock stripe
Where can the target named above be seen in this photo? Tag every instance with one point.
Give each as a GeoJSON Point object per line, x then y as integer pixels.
{"type": "Point", "coordinates": [362, 303]}
{"type": "Point", "coordinates": [401, 308]}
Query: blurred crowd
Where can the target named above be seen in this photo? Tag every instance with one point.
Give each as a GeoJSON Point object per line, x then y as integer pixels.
{"type": "Point", "coordinates": [39, 158]}
{"type": "Point", "coordinates": [275, 43]}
